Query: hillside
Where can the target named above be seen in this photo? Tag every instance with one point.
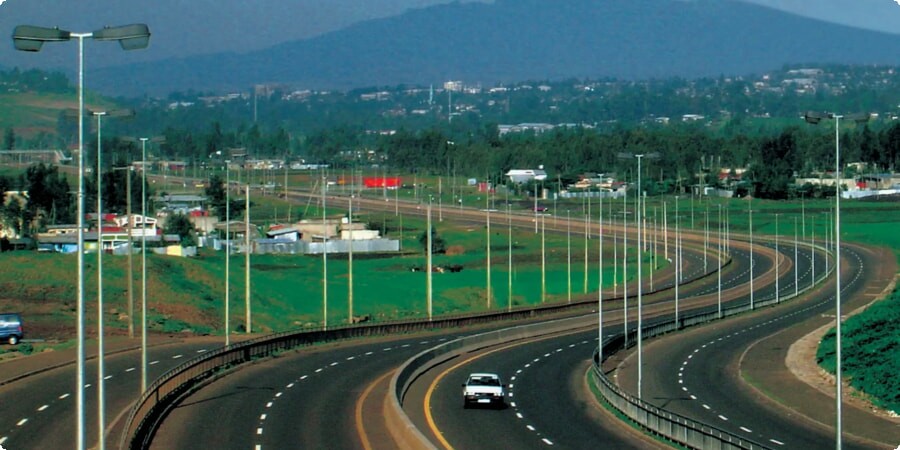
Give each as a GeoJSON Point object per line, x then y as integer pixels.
{"type": "Point", "coordinates": [512, 40]}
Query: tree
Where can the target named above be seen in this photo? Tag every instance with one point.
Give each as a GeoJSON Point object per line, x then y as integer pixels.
{"type": "Point", "coordinates": [217, 197]}
{"type": "Point", "coordinates": [438, 245]}
{"type": "Point", "coordinates": [49, 194]}
{"type": "Point", "coordinates": [9, 139]}
{"type": "Point", "coordinates": [181, 225]}
{"type": "Point", "coordinates": [773, 173]}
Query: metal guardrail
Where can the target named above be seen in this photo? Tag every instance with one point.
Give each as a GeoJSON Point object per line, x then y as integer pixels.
{"type": "Point", "coordinates": [153, 405]}
{"type": "Point", "coordinates": [682, 430]}
{"type": "Point", "coordinates": [161, 396]}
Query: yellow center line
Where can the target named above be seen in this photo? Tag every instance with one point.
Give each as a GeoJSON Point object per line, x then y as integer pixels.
{"type": "Point", "coordinates": [430, 419]}
{"type": "Point", "coordinates": [360, 428]}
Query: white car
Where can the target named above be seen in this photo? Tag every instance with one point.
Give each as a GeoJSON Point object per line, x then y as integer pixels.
{"type": "Point", "coordinates": [484, 388]}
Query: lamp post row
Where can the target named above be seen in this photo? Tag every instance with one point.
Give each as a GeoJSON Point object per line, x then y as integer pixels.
{"type": "Point", "coordinates": [31, 39]}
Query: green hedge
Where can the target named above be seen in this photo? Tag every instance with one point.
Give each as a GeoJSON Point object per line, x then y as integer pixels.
{"type": "Point", "coordinates": [870, 352]}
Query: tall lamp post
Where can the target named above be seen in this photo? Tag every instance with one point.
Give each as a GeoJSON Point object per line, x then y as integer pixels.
{"type": "Point", "coordinates": [30, 39]}
{"type": "Point", "coordinates": [227, 251]}
{"type": "Point", "coordinates": [815, 117]}
{"type": "Point", "coordinates": [101, 403]}
{"type": "Point", "coordinates": [143, 264]}
{"type": "Point", "coordinates": [639, 250]}
{"type": "Point", "coordinates": [131, 221]}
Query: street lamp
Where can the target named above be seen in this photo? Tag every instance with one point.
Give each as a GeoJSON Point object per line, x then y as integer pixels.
{"type": "Point", "coordinates": [814, 118]}
{"type": "Point", "coordinates": [101, 409]}
{"type": "Point", "coordinates": [143, 264]}
{"type": "Point", "coordinates": [600, 287]}
{"type": "Point", "coordinates": [677, 260]}
{"type": "Point", "coordinates": [777, 261]}
{"type": "Point", "coordinates": [750, 214]}
{"type": "Point", "coordinates": [227, 250]}
{"type": "Point", "coordinates": [144, 168]}
{"type": "Point", "coordinates": [30, 38]}
{"type": "Point", "coordinates": [639, 250]}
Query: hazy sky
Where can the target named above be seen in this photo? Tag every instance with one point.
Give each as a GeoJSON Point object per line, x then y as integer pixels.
{"type": "Point", "coordinates": [186, 27]}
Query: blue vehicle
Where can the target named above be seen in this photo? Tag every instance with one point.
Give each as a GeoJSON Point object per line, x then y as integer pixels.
{"type": "Point", "coordinates": [11, 328]}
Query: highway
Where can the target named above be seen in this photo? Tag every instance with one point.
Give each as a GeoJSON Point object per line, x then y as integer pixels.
{"type": "Point", "coordinates": [696, 373]}
{"type": "Point", "coordinates": [550, 404]}
{"type": "Point", "coordinates": [38, 411]}
{"type": "Point", "coordinates": [309, 399]}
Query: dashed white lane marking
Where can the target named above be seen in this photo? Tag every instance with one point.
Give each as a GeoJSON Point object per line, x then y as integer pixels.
{"type": "Point", "coordinates": [63, 396]}
{"type": "Point", "coordinates": [368, 353]}
{"type": "Point", "coordinates": [693, 397]}
{"type": "Point", "coordinates": [107, 377]}
{"type": "Point", "coordinates": [259, 431]}
{"type": "Point", "coordinates": [130, 369]}
{"type": "Point", "coordinates": [530, 428]}
{"type": "Point", "coordinates": [705, 406]}
{"type": "Point", "coordinates": [177, 356]}
{"type": "Point", "coordinates": [278, 395]}
{"type": "Point", "coordinates": [22, 422]}
{"type": "Point", "coordinates": [513, 404]}
{"type": "Point", "coordinates": [258, 447]}
{"type": "Point", "coordinates": [87, 385]}
{"type": "Point", "coordinates": [333, 364]}
{"type": "Point", "coordinates": [269, 405]}
{"type": "Point", "coordinates": [262, 417]}
{"type": "Point", "coordinates": [746, 430]}
{"type": "Point", "coordinates": [520, 416]}
{"type": "Point", "coordinates": [319, 370]}
{"type": "Point", "coordinates": [351, 358]}
{"type": "Point", "coordinates": [547, 441]}
{"type": "Point", "coordinates": [774, 441]}
{"type": "Point", "coordinates": [3, 439]}
{"type": "Point", "coordinates": [43, 407]}
{"type": "Point", "coordinates": [154, 362]}
{"type": "Point", "coordinates": [304, 377]}
{"type": "Point", "coordinates": [290, 385]}
{"type": "Point", "coordinates": [723, 417]}
{"type": "Point", "coordinates": [201, 350]}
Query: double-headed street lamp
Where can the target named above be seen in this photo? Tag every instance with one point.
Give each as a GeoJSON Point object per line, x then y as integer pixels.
{"type": "Point", "coordinates": [30, 39]}
{"type": "Point", "coordinates": [815, 117]}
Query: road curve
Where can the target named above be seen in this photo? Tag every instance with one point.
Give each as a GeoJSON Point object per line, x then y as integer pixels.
{"type": "Point", "coordinates": [695, 373]}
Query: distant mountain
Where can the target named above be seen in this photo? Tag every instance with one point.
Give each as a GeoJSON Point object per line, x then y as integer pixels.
{"type": "Point", "coordinates": [515, 40]}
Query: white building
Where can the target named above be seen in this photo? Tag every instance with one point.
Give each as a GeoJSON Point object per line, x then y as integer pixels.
{"type": "Point", "coordinates": [526, 175]}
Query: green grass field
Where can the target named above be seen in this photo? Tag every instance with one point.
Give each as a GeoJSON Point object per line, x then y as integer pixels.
{"type": "Point", "coordinates": [287, 290]}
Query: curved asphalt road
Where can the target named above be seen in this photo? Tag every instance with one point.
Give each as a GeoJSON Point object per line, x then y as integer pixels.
{"type": "Point", "coordinates": [39, 411]}
{"type": "Point", "coordinates": [695, 373]}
